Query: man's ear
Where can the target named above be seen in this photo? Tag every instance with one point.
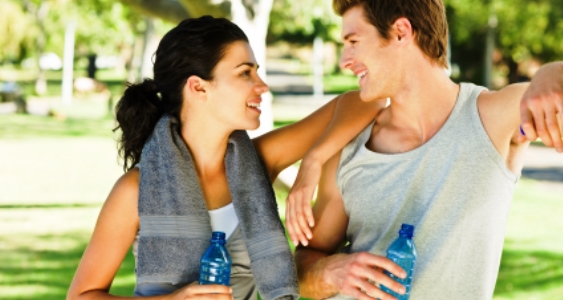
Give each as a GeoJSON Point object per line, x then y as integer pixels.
{"type": "Point", "coordinates": [402, 31]}
{"type": "Point", "coordinates": [196, 86]}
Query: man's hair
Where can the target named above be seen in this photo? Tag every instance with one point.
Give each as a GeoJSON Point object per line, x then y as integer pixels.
{"type": "Point", "coordinates": [427, 18]}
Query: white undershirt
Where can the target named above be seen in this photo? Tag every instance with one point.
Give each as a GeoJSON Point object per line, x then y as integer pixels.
{"type": "Point", "coordinates": [224, 219]}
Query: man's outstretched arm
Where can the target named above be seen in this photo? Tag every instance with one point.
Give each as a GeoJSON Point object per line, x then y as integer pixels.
{"type": "Point", "coordinates": [541, 108]}
{"type": "Point", "coordinates": [322, 273]}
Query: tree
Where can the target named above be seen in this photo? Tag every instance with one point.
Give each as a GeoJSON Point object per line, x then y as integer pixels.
{"type": "Point", "coordinates": [13, 22]}
{"type": "Point", "coordinates": [309, 19]}
{"type": "Point", "coordinates": [526, 29]}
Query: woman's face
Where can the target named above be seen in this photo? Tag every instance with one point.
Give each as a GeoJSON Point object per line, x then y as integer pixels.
{"type": "Point", "coordinates": [234, 95]}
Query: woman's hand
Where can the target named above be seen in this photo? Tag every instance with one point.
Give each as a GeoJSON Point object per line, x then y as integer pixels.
{"type": "Point", "coordinates": [298, 212]}
{"type": "Point", "coordinates": [206, 291]}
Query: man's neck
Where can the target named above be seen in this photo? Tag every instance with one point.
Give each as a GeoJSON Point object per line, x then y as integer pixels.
{"type": "Point", "coordinates": [418, 110]}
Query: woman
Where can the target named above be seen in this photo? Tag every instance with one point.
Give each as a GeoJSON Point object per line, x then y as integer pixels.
{"type": "Point", "coordinates": [191, 168]}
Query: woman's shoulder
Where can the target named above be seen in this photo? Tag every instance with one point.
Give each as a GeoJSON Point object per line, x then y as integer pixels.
{"type": "Point", "coordinates": [126, 187]}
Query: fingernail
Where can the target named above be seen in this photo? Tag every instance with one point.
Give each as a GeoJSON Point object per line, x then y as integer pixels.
{"type": "Point", "coordinates": [403, 290]}
{"type": "Point", "coordinates": [560, 150]}
{"type": "Point", "coordinates": [311, 224]}
{"type": "Point", "coordinates": [309, 236]}
{"type": "Point", "coordinates": [305, 243]}
{"type": "Point", "coordinates": [295, 243]}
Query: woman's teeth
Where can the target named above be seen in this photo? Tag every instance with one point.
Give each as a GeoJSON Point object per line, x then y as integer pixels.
{"type": "Point", "coordinates": [255, 105]}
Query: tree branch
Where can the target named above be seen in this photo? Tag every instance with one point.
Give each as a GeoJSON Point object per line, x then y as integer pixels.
{"type": "Point", "coordinates": [169, 10]}
{"type": "Point", "coordinates": [216, 8]}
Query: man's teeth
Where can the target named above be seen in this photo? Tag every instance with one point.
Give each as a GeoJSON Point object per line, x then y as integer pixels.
{"type": "Point", "coordinates": [256, 105]}
{"type": "Point", "coordinates": [362, 74]}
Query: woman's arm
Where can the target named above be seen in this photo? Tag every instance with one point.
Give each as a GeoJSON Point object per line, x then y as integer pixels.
{"type": "Point", "coordinates": [333, 125]}
{"type": "Point", "coordinates": [115, 231]}
{"type": "Point", "coordinates": [113, 235]}
{"type": "Point", "coordinates": [327, 131]}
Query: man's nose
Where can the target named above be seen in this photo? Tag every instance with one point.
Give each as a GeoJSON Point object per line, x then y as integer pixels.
{"type": "Point", "coordinates": [346, 59]}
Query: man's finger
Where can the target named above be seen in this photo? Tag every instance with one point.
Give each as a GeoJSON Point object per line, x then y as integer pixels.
{"type": "Point", "coordinates": [553, 129]}
{"type": "Point", "coordinates": [541, 127]}
{"type": "Point", "coordinates": [386, 264]}
{"type": "Point", "coordinates": [559, 117]}
{"type": "Point", "coordinates": [527, 122]}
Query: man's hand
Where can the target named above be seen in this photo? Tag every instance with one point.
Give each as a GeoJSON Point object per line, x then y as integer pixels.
{"type": "Point", "coordinates": [360, 275]}
{"type": "Point", "coordinates": [541, 108]}
{"type": "Point", "coordinates": [298, 212]}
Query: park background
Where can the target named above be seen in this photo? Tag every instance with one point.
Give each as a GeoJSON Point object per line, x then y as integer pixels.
{"type": "Point", "coordinates": [69, 61]}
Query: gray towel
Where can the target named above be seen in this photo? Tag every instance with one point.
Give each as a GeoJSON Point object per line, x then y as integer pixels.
{"type": "Point", "coordinates": [175, 226]}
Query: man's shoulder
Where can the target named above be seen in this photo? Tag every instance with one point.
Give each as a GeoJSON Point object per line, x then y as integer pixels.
{"type": "Point", "coordinates": [512, 93]}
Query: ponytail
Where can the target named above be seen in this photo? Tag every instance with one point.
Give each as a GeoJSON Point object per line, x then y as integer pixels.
{"type": "Point", "coordinates": [137, 113]}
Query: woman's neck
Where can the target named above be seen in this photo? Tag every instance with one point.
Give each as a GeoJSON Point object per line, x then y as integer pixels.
{"type": "Point", "coordinates": [207, 144]}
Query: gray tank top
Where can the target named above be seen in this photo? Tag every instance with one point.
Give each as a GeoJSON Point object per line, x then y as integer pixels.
{"type": "Point", "coordinates": [455, 189]}
{"type": "Point", "coordinates": [242, 279]}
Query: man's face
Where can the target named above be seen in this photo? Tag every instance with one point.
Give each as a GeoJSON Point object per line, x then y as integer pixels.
{"type": "Point", "coordinates": [369, 56]}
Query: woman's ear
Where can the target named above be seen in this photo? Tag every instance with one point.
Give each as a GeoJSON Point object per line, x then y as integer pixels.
{"type": "Point", "coordinates": [196, 86]}
{"type": "Point", "coordinates": [402, 30]}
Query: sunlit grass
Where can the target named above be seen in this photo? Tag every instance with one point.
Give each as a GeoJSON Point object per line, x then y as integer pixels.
{"type": "Point", "coordinates": [52, 186]}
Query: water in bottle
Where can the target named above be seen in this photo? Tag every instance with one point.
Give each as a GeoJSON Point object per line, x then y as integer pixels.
{"type": "Point", "coordinates": [402, 252]}
{"type": "Point", "coordinates": [216, 263]}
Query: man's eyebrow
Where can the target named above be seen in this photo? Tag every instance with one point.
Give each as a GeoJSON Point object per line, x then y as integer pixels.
{"type": "Point", "coordinates": [348, 36]}
{"type": "Point", "coordinates": [250, 64]}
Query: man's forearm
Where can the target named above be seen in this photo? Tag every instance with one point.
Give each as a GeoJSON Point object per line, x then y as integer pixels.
{"type": "Point", "coordinates": [311, 267]}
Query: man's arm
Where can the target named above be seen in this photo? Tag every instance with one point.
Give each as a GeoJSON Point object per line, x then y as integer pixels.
{"type": "Point", "coordinates": [542, 106]}
{"type": "Point", "coordinates": [322, 273]}
{"type": "Point", "coordinates": [347, 123]}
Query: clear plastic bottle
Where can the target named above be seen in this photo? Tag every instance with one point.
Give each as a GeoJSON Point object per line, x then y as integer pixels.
{"type": "Point", "coordinates": [402, 252]}
{"type": "Point", "coordinates": [216, 263]}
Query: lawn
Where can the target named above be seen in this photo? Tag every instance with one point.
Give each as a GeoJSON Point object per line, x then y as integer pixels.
{"type": "Point", "coordinates": [55, 174]}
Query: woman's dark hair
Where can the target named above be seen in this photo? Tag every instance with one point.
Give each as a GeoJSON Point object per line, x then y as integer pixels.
{"type": "Point", "coordinates": [194, 47]}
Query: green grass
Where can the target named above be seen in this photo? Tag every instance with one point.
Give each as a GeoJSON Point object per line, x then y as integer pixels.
{"type": "Point", "coordinates": [340, 83]}
{"type": "Point", "coordinates": [55, 174]}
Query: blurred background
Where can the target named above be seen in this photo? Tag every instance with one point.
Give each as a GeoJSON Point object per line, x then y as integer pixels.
{"type": "Point", "coordinates": [64, 64]}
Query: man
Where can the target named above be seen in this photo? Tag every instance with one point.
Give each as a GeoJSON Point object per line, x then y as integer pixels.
{"type": "Point", "coordinates": [442, 156]}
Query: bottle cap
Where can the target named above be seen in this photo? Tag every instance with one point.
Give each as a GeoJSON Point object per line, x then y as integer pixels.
{"type": "Point", "coordinates": [217, 235]}
{"type": "Point", "coordinates": [407, 229]}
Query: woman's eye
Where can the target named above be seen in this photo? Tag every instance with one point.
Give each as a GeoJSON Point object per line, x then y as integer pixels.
{"type": "Point", "coordinates": [246, 73]}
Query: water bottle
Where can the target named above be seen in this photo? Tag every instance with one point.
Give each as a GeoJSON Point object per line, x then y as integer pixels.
{"type": "Point", "coordinates": [216, 263]}
{"type": "Point", "coordinates": [402, 252]}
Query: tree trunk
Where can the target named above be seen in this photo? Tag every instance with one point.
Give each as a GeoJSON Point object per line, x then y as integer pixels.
{"type": "Point", "coordinates": [169, 10]}
{"type": "Point", "coordinates": [513, 76]}
{"type": "Point", "coordinates": [149, 47]}
{"type": "Point", "coordinates": [40, 15]}
{"type": "Point", "coordinates": [253, 20]}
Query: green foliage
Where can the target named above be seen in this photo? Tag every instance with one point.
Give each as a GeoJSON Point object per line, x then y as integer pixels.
{"type": "Point", "coordinates": [14, 24]}
{"type": "Point", "coordinates": [300, 21]}
{"type": "Point", "coordinates": [525, 29]}
{"type": "Point", "coordinates": [102, 27]}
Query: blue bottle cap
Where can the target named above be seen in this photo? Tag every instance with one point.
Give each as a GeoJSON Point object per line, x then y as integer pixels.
{"type": "Point", "coordinates": [407, 229]}
{"type": "Point", "coordinates": [217, 235]}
